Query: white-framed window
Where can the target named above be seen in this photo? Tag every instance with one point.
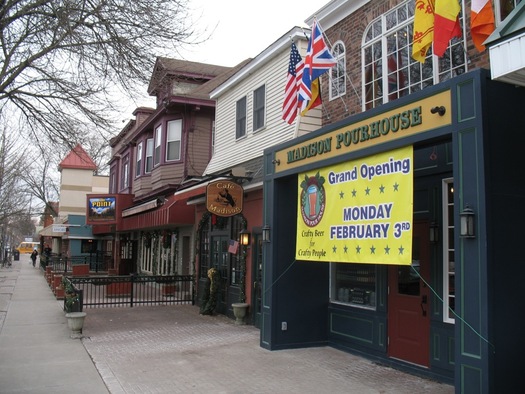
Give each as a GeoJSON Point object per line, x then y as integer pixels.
{"type": "Point", "coordinates": [138, 162]}
{"type": "Point", "coordinates": [124, 181]}
{"type": "Point", "coordinates": [388, 69]}
{"type": "Point", "coordinates": [502, 9]}
{"type": "Point", "coordinates": [259, 102]}
{"type": "Point", "coordinates": [158, 143]}
{"type": "Point", "coordinates": [449, 272]}
{"type": "Point", "coordinates": [338, 73]}
{"type": "Point", "coordinates": [240, 118]}
{"type": "Point", "coordinates": [149, 156]}
{"type": "Point", "coordinates": [173, 139]}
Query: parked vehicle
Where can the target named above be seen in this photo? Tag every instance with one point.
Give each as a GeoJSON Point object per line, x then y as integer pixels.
{"type": "Point", "coordinates": [28, 247]}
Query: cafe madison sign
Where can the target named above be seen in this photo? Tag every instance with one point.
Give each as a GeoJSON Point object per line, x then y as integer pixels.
{"type": "Point", "coordinates": [224, 198]}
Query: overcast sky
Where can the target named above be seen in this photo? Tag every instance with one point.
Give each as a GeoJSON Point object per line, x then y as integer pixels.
{"type": "Point", "coordinates": [239, 29]}
{"type": "Point", "coordinates": [244, 28]}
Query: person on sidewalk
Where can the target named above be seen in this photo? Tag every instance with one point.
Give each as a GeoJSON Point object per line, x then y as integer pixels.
{"type": "Point", "coordinates": [33, 256]}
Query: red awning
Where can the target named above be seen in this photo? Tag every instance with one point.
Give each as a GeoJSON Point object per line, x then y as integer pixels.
{"type": "Point", "coordinates": [174, 212]}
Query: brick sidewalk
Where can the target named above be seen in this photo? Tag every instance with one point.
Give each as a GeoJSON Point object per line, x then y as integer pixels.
{"type": "Point", "coordinates": [173, 349]}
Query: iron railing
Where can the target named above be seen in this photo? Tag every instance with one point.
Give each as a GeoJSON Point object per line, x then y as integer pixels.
{"type": "Point", "coordinates": [132, 290]}
{"type": "Point", "coordinates": [98, 262]}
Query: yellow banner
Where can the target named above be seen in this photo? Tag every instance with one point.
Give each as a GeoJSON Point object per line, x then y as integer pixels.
{"type": "Point", "coordinates": [358, 211]}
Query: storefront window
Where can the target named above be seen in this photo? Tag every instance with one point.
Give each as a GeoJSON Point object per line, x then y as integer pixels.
{"type": "Point", "coordinates": [390, 71]}
{"type": "Point", "coordinates": [448, 252]}
{"type": "Point", "coordinates": [353, 284]}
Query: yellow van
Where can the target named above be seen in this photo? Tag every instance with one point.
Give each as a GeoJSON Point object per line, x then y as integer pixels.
{"type": "Point", "coordinates": [28, 247]}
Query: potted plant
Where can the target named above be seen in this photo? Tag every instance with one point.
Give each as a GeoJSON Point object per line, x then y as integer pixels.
{"type": "Point", "coordinates": [75, 317]}
{"type": "Point", "coordinates": [71, 296]}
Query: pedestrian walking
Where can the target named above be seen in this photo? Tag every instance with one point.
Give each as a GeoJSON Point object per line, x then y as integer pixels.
{"type": "Point", "coordinates": [33, 256]}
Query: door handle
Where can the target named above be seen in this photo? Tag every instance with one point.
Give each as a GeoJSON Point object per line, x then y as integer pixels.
{"type": "Point", "coordinates": [423, 301]}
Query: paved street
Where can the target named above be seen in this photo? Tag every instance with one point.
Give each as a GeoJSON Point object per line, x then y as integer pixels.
{"type": "Point", "coordinates": [172, 349]}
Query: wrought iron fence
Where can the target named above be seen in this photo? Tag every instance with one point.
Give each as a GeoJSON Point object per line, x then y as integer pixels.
{"type": "Point", "coordinates": [98, 261]}
{"type": "Point", "coordinates": [132, 290]}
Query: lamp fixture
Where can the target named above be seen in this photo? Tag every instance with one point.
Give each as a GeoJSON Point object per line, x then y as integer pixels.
{"type": "Point", "coordinates": [244, 237]}
{"type": "Point", "coordinates": [433, 233]}
{"type": "Point", "coordinates": [439, 110]}
{"type": "Point", "coordinates": [266, 233]}
{"type": "Point", "coordinates": [466, 219]}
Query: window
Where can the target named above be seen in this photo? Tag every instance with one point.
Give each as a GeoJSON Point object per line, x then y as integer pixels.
{"type": "Point", "coordinates": [88, 246]}
{"type": "Point", "coordinates": [158, 141]}
{"type": "Point", "coordinates": [149, 155]}
{"type": "Point", "coordinates": [353, 284]}
{"type": "Point", "coordinates": [338, 73]}
{"type": "Point", "coordinates": [138, 164]}
{"type": "Point", "coordinates": [173, 140]}
{"type": "Point", "coordinates": [389, 71]}
{"type": "Point", "coordinates": [258, 108]}
{"type": "Point", "coordinates": [240, 118]}
{"type": "Point", "coordinates": [448, 252]}
{"type": "Point", "coordinates": [113, 180]}
{"type": "Point", "coordinates": [124, 181]}
{"type": "Point", "coordinates": [502, 9]}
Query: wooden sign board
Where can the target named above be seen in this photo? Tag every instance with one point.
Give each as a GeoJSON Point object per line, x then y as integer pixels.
{"type": "Point", "coordinates": [224, 198]}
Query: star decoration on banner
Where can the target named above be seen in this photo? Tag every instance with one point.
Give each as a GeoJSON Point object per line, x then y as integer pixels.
{"type": "Point", "coordinates": [381, 189]}
{"type": "Point", "coordinates": [367, 191]}
{"type": "Point", "coordinates": [341, 195]}
{"type": "Point", "coordinates": [387, 250]}
{"type": "Point", "coordinates": [354, 193]}
{"type": "Point", "coordinates": [373, 250]}
{"type": "Point", "coordinates": [396, 187]}
{"type": "Point", "coordinates": [401, 250]}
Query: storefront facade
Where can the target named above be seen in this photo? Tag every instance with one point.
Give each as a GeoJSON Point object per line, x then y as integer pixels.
{"type": "Point", "coordinates": [435, 304]}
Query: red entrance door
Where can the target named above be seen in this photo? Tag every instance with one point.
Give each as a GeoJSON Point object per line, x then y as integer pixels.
{"type": "Point", "coordinates": [408, 303]}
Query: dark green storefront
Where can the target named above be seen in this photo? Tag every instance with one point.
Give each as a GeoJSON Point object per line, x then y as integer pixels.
{"type": "Point", "coordinates": [467, 296]}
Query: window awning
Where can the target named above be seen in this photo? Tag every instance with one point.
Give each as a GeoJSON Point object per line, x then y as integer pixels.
{"type": "Point", "coordinates": [174, 212]}
{"type": "Point", "coordinates": [146, 206]}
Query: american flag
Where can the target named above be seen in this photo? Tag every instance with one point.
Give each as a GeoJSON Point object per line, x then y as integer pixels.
{"type": "Point", "coordinates": [318, 60]}
{"type": "Point", "coordinates": [233, 246]}
{"type": "Point", "coordinates": [295, 71]}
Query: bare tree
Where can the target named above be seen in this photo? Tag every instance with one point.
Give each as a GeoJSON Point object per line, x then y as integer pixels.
{"type": "Point", "coordinates": [63, 61]}
{"type": "Point", "coordinates": [14, 202]}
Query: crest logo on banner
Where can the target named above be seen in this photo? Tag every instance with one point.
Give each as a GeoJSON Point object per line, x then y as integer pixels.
{"type": "Point", "coordinates": [313, 199]}
{"type": "Point", "coordinates": [358, 211]}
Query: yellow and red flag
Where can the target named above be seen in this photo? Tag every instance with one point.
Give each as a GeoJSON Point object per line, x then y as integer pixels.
{"type": "Point", "coordinates": [423, 29]}
{"type": "Point", "coordinates": [481, 22]}
{"type": "Point", "coordinates": [446, 24]}
{"type": "Point", "coordinates": [315, 101]}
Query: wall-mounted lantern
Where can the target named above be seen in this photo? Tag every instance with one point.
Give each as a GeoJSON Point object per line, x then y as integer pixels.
{"type": "Point", "coordinates": [244, 236]}
{"type": "Point", "coordinates": [266, 233]}
{"type": "Point", "coordinates": [466, 218]}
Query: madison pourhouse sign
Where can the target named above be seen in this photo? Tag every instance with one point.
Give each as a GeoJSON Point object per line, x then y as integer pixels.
{"type": "Point", "coordinates": [224, 198]}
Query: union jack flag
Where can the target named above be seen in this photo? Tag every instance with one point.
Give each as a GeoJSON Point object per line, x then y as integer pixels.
{"type": "Point", "coordinates": [318, 60]}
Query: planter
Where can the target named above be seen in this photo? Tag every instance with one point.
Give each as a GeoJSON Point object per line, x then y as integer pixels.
{"type": "Point", "coordinates": [75, 322]}
{"type": "Point", "coordinates": [239, 311]}
{"type": "Point", "coordinates": [80, 270]}
{"type": "Point", "coordinates": [118, 289]}
{"type": "Point", "coordinates": [169, 290]}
